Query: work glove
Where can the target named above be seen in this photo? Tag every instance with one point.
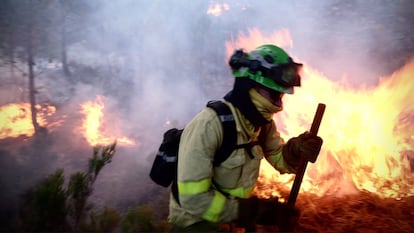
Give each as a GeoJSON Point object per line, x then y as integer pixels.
{"type": "Point", "coordinates": [303, 147]}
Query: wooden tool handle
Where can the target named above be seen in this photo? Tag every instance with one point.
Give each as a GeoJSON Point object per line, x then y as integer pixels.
{"type": "Point", "coordinates": [302, 168]}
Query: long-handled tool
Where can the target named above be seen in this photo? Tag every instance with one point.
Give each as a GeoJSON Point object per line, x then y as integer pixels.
{"type": "Point", "coordinates": [287, 226]}
{"type": "Point", "coordinates": [302, 168]}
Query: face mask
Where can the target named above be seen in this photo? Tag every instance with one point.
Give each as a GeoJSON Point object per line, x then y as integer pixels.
{"type": "Point", "coordinates": [264, 106]}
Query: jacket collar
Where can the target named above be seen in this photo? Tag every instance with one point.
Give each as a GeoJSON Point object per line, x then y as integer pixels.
{"type": "Point", "coordinates": [240, 98]}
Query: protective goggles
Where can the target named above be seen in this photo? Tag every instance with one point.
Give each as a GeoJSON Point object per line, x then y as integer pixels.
{"type": "Point", "coordinates": [286, 75]}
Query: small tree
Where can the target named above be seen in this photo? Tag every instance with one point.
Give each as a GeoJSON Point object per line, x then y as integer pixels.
{"type": "Point", "coordinates": [45, 206]}
{"type": "Point", "coordinates": [81, 184]}
{"type": "Point", "coordinates": [49, 207]}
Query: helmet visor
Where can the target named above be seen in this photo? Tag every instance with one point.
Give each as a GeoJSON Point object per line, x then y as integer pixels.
{"type": "Point", "coordinates": [290, 75]}
{"type": "Point", "coordinates": [286, 75]}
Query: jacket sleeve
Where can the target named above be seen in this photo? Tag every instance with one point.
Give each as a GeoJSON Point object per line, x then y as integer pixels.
{"type": "Point", "coordinates": [272, 146]}
{"type": "Point", "coordinates": [199, 141]}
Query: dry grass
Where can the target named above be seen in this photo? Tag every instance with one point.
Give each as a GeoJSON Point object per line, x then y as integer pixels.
{"type": "Point", "coordinates": [363, 212]}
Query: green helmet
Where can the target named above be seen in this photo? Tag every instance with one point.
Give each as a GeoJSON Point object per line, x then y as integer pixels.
{"type": "Point", "coordinates": [269, 66]}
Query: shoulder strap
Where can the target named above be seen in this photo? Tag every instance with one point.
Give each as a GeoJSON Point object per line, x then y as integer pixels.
{"type": "Point", "coordinates": [229, 130]}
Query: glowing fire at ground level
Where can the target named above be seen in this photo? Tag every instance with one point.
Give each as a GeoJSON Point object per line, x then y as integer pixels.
{"type": "Point", "coordinates": [368, 132]}
{"type": "Point", "coordinates": [15, 121]}
{"type": "Point", "coordinates": [368, 136]}
{"type": "Point", "coordinates": [92, 125]}
{"type": "Point", "coordinates": [360, 212]}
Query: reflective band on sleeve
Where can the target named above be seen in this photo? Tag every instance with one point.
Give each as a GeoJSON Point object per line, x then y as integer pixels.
{"type": "Point", "coordinates": [194, 187]}
{"type": "Point", "coordinates": [240, 192]}
{"type": "Point", "coordinates": [216, 207]}
{"type": "Point", "coordinates": [277, 160]}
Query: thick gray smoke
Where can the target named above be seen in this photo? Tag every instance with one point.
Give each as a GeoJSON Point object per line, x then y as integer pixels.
{"type": "Point", "coordinates": [165, 59]}
{"type": "Point", "coordinates": [173, 53]}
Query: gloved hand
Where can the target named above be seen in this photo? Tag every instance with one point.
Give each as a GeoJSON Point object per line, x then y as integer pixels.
{"type": "Point", "coordinates": [303, 147]}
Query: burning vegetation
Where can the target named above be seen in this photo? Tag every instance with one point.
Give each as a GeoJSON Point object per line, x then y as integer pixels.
{"type": "Point", "coordinates": [15, 119]}
{"type": "Point", "coordinates": [363, 178]}
{"type": "Point", "coordinates": [368, 144]}
{"type": "Point", "coordinates": [93, 128]}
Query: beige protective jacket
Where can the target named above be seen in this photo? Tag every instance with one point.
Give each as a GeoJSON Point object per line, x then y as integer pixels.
{"type": "Point", "coordinates": [236, 176]}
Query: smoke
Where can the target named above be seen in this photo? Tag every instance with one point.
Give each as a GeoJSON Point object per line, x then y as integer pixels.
{"type": "Point", "coordinates": [170, 51]}
{"type": "Point", "coordinates": [357, 40]}
{"type": "Point", "coordinates": [163, 60]}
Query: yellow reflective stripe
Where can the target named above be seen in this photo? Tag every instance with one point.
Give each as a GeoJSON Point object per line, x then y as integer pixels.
{"type": "Point", "coordinates": [239, 192]}
{"type": "Point", "coordinates": [193, 187]}
{"type": "Point", "coordinates": [277, 160]}
{"type": "Point", "coordinates": [216, 207]}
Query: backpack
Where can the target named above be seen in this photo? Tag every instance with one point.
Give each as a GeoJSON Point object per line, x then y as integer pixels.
{"type": "Point", "coordinates": [164, 168]}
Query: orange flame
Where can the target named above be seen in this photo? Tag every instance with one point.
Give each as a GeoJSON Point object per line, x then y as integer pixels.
{"type": "Point", "coordinates": [368, 132]}
{"type": "Point", "coordinates": [93, 125]}
{"type": "Point", "coordinates": [15, 119]}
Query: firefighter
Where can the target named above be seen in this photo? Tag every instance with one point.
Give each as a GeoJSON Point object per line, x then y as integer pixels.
{"type": "Point", "coordinates": [211, 195]}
